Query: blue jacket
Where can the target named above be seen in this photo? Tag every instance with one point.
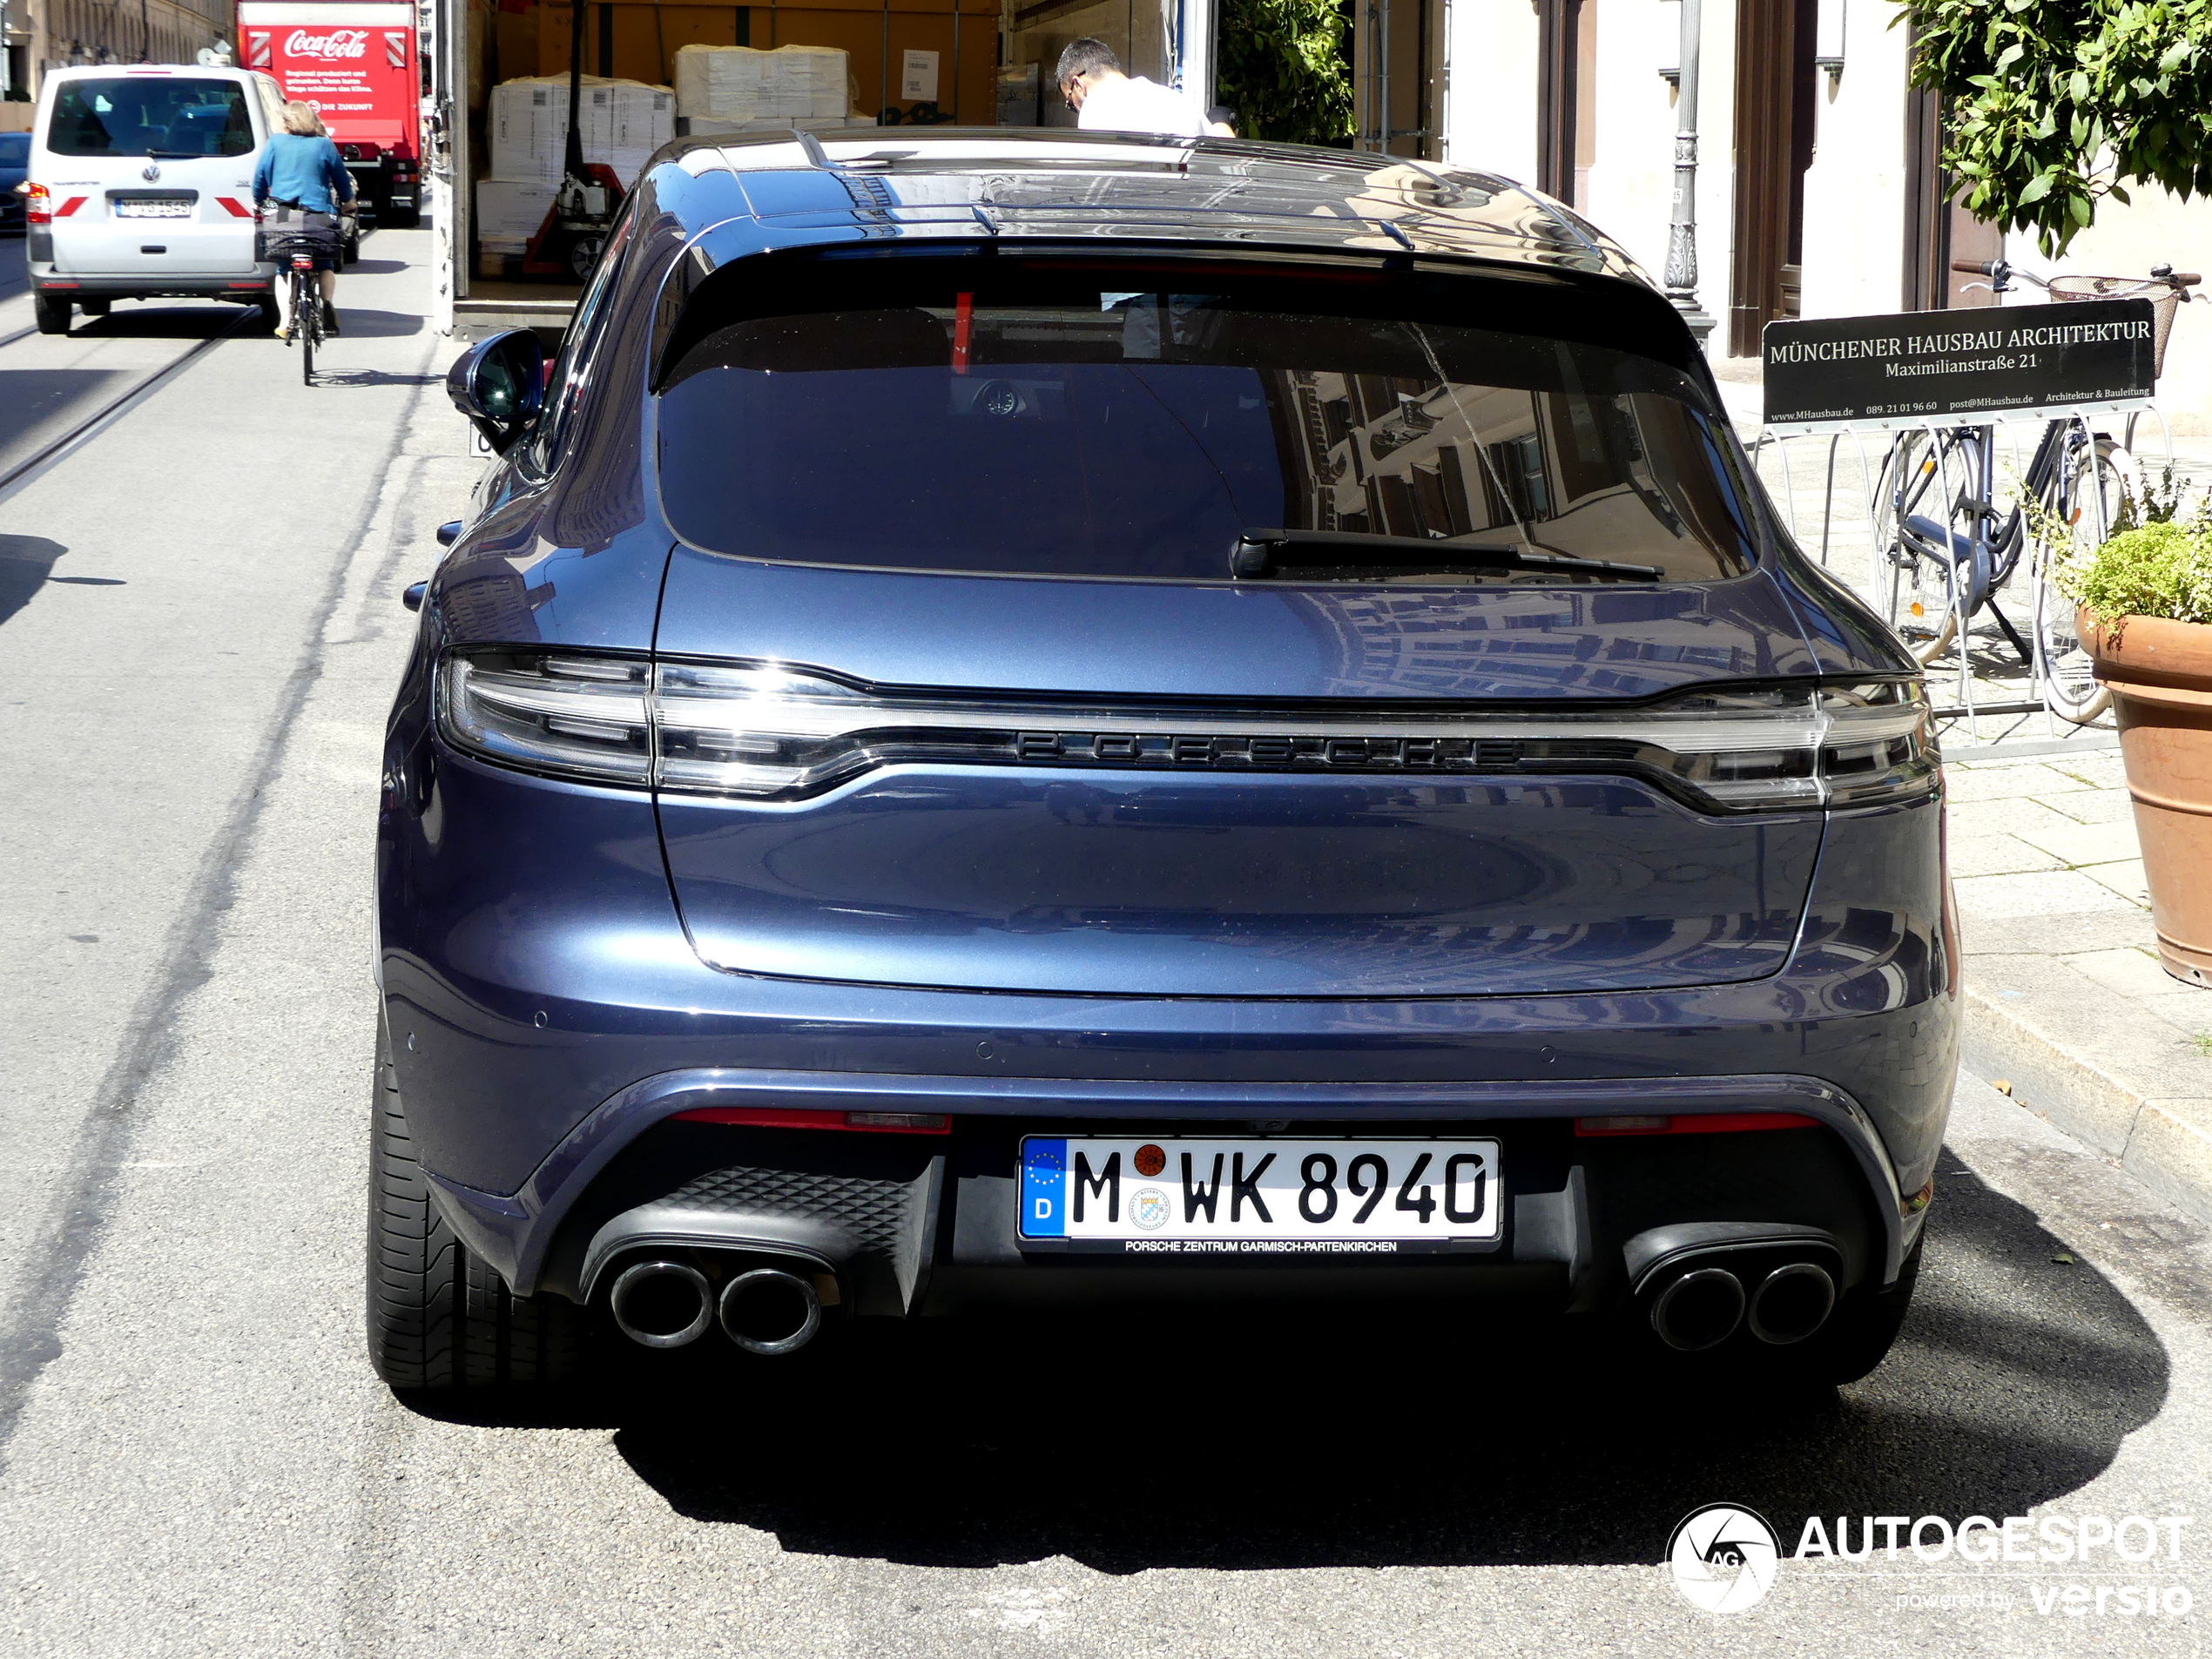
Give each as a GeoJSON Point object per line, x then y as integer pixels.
{"type": "Point", "coordinates": [296, 168]}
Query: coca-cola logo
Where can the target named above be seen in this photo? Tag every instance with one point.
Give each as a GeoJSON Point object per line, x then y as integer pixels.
{"type": "Point", "coordinates": [339, 42]}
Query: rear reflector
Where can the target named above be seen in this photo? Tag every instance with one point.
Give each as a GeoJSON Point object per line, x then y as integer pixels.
{"type": "Point", "coordinates": [68, 207]}
{"type": "Point", "coordinates": [1695, 1123]}
{"type": "Point", "coordinates": [235, 209]}
{"type": "Point", "coordinates": [780, 1117]}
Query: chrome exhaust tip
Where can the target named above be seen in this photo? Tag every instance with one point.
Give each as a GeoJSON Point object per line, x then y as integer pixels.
{"type": "Point", "coordinates": [1791, 1303]}
{"type": "Point", "coordinates": [1699, 1310]}
{"type": "Point", "coordinates": [661, 1305]}
{"type": "Point", "coordinates": [769, 1311]}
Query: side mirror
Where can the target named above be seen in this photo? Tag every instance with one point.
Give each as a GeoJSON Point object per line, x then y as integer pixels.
{"type": "Point", "coordinates": [448, 532]}
{"type": "Point", "coordinates": [498, 384]}
{"type": "Point", "coordinates": [411, 596]}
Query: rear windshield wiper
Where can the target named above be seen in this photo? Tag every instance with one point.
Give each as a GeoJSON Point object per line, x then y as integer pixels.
{"type": "Point", "coordinates": [173, 155]}
{"type": "Point", "coordinates": [1284, 553]}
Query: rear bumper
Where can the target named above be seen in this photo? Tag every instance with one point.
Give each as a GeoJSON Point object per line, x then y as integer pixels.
{"type": "Point", "coordinates": [243, 290]}
{"type": "Point", "coordinates": [916, 1224]}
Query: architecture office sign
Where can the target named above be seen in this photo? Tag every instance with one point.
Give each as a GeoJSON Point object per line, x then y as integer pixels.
{"type": "Point", "coordinates": [1953, 367]}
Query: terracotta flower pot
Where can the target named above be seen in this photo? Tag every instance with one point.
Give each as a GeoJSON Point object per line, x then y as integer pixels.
{"type": "Point", "coordinates": [2160, 676]}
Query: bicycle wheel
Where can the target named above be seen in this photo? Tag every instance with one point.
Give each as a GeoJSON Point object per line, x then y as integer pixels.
{"type": "Point", "coordinates": [1913, 583]}
{"type": "Point", "coordinates": [310, 331]}
{"type": "Point", "coordinates": [2101, 492]}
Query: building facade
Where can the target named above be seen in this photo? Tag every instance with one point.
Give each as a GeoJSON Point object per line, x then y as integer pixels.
{"type": "Point", "coordinates": [54, 34]}
{"type": "Point", "coordinates": [1818, 193]}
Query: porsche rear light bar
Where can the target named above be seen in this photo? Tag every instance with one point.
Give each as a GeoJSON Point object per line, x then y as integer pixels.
{"type": "Point", "coordinates": [769, 733]}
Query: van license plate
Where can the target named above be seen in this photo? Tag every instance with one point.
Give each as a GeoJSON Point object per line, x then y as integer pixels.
{"type": "Point", "coordinates": [1325, 1196]}
{"type": "Point", "coordinates": [157, 207]}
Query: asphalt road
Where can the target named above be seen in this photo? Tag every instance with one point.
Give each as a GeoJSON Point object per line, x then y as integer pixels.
{"type": "Point", "coordinates": [201, 634]}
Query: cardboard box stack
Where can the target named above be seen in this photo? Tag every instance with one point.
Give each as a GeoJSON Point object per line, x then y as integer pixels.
{"type": "Point", "coordinates": [508, 212]}
{"type": "Point", "coordinates": [737, 89]}
{"type": "Point", "coordinates": [622, 122]}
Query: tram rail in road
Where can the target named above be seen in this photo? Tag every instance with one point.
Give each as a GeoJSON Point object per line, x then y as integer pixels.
{"type": "Point", "coordinates": [17, 469]}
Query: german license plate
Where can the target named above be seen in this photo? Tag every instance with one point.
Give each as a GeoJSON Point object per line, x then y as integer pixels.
{"type": "Point", "coordinates": [155, 207]}
{"type": "Point", "coordinates": [1321, 1195]}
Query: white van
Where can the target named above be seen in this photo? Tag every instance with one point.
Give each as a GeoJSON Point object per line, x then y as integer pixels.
{"type": "Point", "coordinates": [141, 188]}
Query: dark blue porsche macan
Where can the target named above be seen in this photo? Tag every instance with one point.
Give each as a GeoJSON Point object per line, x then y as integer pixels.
{"type": "Point", "coordinates": [1048, 721]}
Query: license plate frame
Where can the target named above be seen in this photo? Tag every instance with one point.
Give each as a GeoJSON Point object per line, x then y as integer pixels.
{"type": "Point", "coordinates": [153, 207]}
{"type": "Point", "coordinates": [1058, 1198]}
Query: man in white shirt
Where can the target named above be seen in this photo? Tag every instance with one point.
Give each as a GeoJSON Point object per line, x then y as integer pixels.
{"type": "Point", "coordinates": [1105, 99]}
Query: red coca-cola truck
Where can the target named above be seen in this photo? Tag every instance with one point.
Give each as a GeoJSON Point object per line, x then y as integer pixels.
{"type": "Point", "coordinates": [355, 62]}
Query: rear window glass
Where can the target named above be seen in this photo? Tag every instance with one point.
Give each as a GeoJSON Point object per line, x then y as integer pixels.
{"type": "Point", "coordinates": [1042, 422]}
{"type": "Point", "coordinates": [156, 116]}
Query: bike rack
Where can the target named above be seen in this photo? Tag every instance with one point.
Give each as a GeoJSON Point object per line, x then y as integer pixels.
{"type": "Point", "coordinates": [2008, 425]}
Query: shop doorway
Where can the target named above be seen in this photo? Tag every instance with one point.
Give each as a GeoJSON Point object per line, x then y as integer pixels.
{"type": "Point", "coordinates": [1937, 229]}
{"type": "Point", "coordinates": [1566, 98]}
{"type": "Point", "coordinates": [1776, 119]}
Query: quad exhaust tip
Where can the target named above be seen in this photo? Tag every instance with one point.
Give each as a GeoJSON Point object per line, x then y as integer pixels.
{"type": "Point", "coordinates": [1700, 1310]}
{"type": "Point", "coordinates": [662, 1304]}
{"type": "Point", "coordinates": [768, 1311]}
{"type": "Point", "coordinates": [1704, 1307]}
{"type": "Point", "coordinates": [1791, 1303]}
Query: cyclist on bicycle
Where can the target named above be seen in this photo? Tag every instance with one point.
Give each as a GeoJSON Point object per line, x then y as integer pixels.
{"type": "Point", "coordinates": [300, 170]}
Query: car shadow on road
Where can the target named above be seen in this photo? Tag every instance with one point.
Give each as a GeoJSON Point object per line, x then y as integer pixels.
{"type": "Point", "coordinates": [374, 325]}
{"type": "Point", "coordinates": [26, 564]}
{"type": "Point", "coordinates": [161, 322]}
{"type": "Point", "coordinates": [1366, 1438]}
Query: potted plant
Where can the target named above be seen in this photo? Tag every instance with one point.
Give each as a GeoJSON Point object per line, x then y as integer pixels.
{"type": "Point", "coordinates": [2145, 618]}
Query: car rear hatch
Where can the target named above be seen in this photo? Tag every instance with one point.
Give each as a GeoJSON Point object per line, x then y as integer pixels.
{"type": "Point", "coordinates": [1039, 636]}
{"type": "Point", "coordinates": [154, 176]}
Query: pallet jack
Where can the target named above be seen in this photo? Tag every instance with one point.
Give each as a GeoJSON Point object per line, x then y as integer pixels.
{"type": "Point", "coordinates": [583, 209]}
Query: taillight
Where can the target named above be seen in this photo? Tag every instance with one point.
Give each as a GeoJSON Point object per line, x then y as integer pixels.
{"type": "Point", "coordinates": [786, 1117]}
{"type": "Point", "coordinates": [1694, 1123]}
{"type": "Point", "coordinates": [764, 731]}
{"type": "Point", "coordinates": [768, 731]}
{"type": "Point", "coordinates": [39, 207]}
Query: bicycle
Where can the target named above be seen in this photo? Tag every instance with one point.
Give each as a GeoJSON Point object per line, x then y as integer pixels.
{"type": "Point", "coordinates": [1946, 554]}
{"type": "Point", "coordinates": [301, 254]}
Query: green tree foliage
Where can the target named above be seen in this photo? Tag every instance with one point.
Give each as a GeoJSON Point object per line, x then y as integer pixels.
{"type": "Point", "coordinates": [2054, 104]}
{"type": "Point", "coordinates": [1283, 70]}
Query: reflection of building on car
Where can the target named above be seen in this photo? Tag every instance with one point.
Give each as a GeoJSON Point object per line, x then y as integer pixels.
{"type": "Point", "coordinates": [1282, 758]}
{"type": "Point", "coordinates": [141, 188]}
{"type": "Point", "coordinates": [14, 173]}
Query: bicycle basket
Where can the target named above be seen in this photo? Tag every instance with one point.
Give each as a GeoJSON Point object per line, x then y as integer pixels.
{"type": "Point", "coordinates": [277, 244]}
{"type": "Point", "coordinates": [2164, 303]}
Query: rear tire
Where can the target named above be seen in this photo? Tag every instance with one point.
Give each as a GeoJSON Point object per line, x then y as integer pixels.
{"type": "Point", "coordinates": [438, 1316]}
{"type": "Point", "coordinates": [95, 307]}
{"type": "Point", "coordinates": [51, 315]}
{"type": "Point", "coordinates": [270, 315]}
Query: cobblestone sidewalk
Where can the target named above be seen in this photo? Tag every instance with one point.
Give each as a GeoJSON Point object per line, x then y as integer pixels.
{"type": "Point", "coordinates": [2066, 1000]}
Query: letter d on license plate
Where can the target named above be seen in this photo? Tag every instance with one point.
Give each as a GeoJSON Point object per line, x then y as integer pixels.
{"type": "Point", "coordinates": [1172, 1195]}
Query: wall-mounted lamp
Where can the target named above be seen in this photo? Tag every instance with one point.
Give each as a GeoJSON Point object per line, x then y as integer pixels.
{"type": "Point", "coordinates": [1828, 41]}
{"type": "Point", "coordinates": [1670, 54]}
